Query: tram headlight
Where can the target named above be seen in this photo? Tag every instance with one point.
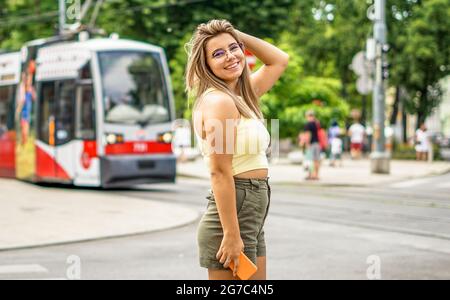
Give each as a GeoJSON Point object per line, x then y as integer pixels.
{"type": "Point", "coordinates": [165, 137]}
{"type": "Point", "coordinates": [114, 138]}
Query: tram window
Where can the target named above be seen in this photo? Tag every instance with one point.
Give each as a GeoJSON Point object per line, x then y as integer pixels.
{"type": "Point", "coordinates": [10, 119]}
{"type": "Point", "coordinates": [65, 112]}
{"type": "Point", "coordinates": [4, 97]}
{"type": "Point", "coordinates": [3, 110]}
{"type": "Point", "coordinates": [46, 107]}
{"type": "Point", "coordinates": [85, 113]}
{"type": "Point", "coordinates": [134, 87]}
{"type": "Point", "coordinates": [7, 107]}
{"type": "Point", "coordinates": [3, 128]}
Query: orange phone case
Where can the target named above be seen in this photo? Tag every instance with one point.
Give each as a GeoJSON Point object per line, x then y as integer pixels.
{"type": "Point", "coordinates": [246, 267]}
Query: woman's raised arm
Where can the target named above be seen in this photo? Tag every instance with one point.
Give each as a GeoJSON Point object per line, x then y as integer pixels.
{"type": "Point", "coordinates": [275, 62]}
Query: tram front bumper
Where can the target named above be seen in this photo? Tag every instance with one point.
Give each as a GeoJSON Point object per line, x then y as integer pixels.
{"type": "Point", "coordinates": [128, 170]}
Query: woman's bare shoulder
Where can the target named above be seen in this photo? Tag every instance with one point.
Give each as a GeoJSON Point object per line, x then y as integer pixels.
{"type": "Point", "coordinates": [219, 105]}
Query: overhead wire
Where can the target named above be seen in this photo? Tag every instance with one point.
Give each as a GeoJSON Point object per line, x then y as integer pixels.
{"type": "Point", "coordinates": [27, 18]}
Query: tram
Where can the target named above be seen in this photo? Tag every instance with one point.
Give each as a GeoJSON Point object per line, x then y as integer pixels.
{"type": "Point", "coordinates": [88, 112]}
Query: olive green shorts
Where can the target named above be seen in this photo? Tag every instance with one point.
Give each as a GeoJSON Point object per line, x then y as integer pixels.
{"type": "Point", "coordinates": [252, 205]}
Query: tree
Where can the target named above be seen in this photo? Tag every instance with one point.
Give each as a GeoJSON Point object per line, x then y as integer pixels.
{"type": "Point", "coordinates": [399, 15]}
{"type": "Point", "coordinates": [22, 21]}
{"type": "Point", "coordinates": [328, 33]}
{"type": "Point", "coordinates": [428, 53]}
{"type": "Point", "coordinates": [324, 34]}
{"type": "Point", "coordinates": [183, 105]}
{"type": "Point", "coordinates": [349, 29]}
{"type": "Point", "coordinates": [296, 93]}
{"type": "Point", "coordinates": [166, 23]}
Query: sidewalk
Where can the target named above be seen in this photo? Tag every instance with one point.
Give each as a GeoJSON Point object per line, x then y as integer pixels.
{"type": "Point", "coordinates": [353, 173]}
{"type": "Point", "coordinates": [32, 215]}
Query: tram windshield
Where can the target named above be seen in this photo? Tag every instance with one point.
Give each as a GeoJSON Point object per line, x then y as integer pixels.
{"type": "Point", "coordinates": [134, 88]}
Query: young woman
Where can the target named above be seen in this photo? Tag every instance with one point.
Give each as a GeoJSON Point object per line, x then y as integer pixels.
{"type": "Point", "coordinates": [228, 124]}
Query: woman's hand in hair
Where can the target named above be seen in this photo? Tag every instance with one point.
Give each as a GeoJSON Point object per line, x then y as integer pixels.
{"type": "Point", "coordinates": [275, 62]}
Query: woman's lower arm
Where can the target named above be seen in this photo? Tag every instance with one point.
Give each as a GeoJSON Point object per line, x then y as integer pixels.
{"type": "Point", "coordinates": [266, 52]}
{"type": "Point", "coordinates": [225, 195]}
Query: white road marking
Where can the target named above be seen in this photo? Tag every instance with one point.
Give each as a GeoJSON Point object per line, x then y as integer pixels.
{"type": "Point", "coordinates": [29, 279]}
{"type": "Point", "coordinates": [411, 183]}
{"type": "Point", "coordinates": [443, 185]}
{"type": "Point", "coordinates": [22, 269]}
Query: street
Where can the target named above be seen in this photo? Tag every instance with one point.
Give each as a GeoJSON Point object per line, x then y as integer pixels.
{"type": "Point", "coordinates": [401, 230]}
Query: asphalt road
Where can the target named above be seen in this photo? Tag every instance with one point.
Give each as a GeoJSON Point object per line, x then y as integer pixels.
{"type": "Point", "coordinates": [399, 231]}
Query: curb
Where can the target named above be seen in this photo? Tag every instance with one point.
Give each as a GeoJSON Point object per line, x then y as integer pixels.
{"type": "Point", "coordinates": [333, 184]}
{"type": "Point", "coordinates": [102, 238]}
{"type": "Point", "coordinates": [121, 227]}
{"type": "Point", "coordinates": [183, 175]}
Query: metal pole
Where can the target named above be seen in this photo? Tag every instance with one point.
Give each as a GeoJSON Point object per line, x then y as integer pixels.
{"type": "Point", "coordinates": [379, 157]}
{"type": "Point", "coordinates": [97, 7]}
{"type": "Point", "coordinates": [85, 9]}
{"type": "Point", "coordinates": [62, 16]}
{"type": "Point", "coordinates": [378, 104]}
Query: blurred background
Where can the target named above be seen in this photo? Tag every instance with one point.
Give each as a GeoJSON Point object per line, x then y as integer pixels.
{"type": "Point", "coordinates": [322, 38]}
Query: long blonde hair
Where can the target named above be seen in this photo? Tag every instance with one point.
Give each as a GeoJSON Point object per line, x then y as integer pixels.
{"type": "Point", "coordinates": [199, 77]}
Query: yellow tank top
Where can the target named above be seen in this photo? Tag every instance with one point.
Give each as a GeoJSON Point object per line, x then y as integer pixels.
{"type": "Point", "coordinates": [250, 147]}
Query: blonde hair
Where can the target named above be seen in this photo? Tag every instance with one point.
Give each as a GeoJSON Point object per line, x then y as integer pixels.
{"type": "Point", "coordinates": [199, 77]}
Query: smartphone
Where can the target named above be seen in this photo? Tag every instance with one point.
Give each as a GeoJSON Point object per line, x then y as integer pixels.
{"type": "Point", "coordinates": [246, 267]}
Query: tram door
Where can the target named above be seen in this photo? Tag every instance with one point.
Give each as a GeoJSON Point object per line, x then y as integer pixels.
{"type": "Point", "coordinates": [65, 130]}
{"type": "Point", "coordinates": [86, 172]}
{"type": "Point", "coordinates": [45, 148]}
{"type": "Point", "coordinates": [56, 130]}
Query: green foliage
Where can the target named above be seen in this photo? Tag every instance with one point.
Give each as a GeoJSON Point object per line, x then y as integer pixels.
{"type": "Point", "coordinates": [404, 151]}
{"type": "Point", "coordinates": [427, 52]}
{"type": "Point", "coordinates": [171, 26]}
{"type": "Point", "coordinates": [408, 152]}
{"type": "Point", "coordinates": [15, 29]}
{"type": "Point", "coordinates": [178, 65]}
{"type": "Point", "coordinates": [296, 93]}
{"type": "Point", "coordinates": [167, 22]}
{"type": "Point", "coordinates": [322, 36]}
{"type": "Point", "coordinates": [330, 37]}
{"type": "Point", "coordinates": [313, 94]}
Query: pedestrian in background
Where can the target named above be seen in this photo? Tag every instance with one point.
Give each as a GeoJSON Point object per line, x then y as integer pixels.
{"type": "Point", "coordinates": [312, 146]}
{"type": "Point", "coordinates": [302, 136]}
{"type": "Point", "coordinates": [335, 143]}
{"type": "Point", "coordinates": [227, 97]}
{"type": "Point", "coordinates": [323, 140]}
{"type": "Point", "coordinates": [356, 132]}
{"type": "Point", "coordinates": [422, 143]}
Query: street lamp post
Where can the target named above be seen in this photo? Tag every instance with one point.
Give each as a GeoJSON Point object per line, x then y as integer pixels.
{"type": "Point", "coordinates": [380, 159]}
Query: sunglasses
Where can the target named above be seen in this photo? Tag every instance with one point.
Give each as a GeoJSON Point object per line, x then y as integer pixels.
{"type": "Point", "coordinates": [233, 49]}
